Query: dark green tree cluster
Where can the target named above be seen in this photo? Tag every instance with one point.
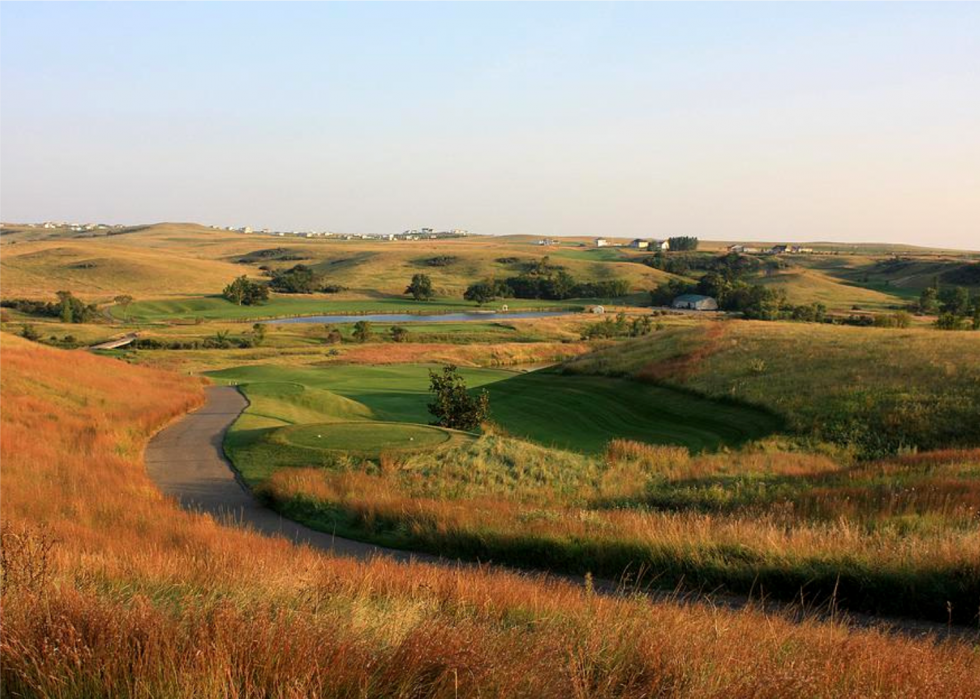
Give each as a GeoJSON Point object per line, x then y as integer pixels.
{"type": "Point", "coordinates": [486, 291]}
{"type": "Point", "coordinates": [244, 292]}
{"type": "Point", "coordinates": [420, 287]}
{"type": "Point", "coordinates": [682, 243]}
{"type": "Point", "coordinates": [67, 308]}
{"type": "Point", "coordinates": [362, 330]}
{"type": "Point", "coordinates": [301, 279]}
{"type": "Point", "coordinates": [542, 280]}
{"type": "Point", "coordinates": [731, 263]}
{"type": "Point", "coordinates": [736, 295]}
{"type": "Point", "coordinates": [956, 309]}
{"type": "Point", "coordinates": [452, 405]}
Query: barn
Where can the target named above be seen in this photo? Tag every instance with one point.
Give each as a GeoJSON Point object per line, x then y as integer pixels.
{"type": "Point", "coordinates": [695, 302]}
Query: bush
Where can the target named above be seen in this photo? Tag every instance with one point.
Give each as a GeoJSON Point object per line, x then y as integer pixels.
{"type": "Point", "coordinates": [398, 333]}
{"type": "Point", "coordinates": [362, 331]}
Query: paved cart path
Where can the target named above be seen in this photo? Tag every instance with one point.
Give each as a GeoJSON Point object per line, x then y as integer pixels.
{"type": "Point", "coordinates": [186, 461]}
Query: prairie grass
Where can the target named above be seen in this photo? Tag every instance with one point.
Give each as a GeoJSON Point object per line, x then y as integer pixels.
{"type": "Point", "coordinates": [899, 537]}
{"type": "Point", "coordinates": [110, 589]}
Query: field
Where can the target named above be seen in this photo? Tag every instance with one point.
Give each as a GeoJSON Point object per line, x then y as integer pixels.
{"type": "Point", "coordinates": [284, 621]}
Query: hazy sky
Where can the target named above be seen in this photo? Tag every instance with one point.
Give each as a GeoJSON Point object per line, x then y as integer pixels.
{"type": "Point", "coordinates": [726, 121]}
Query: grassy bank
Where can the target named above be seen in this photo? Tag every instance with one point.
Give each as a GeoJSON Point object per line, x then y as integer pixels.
{"type": "Point", "coordinates": [874, 390]}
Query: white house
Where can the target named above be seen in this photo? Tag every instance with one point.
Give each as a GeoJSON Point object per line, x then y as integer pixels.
{"type": "Point", "coordinates": [639, 244]}
{"type": "Point", "coordinates": [695, 302]}
{"type": "Point", "coordinates": [601, 242]}
{"type": "Point", "coordinates": [659, 245]}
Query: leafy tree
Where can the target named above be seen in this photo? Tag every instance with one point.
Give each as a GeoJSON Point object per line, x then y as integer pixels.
{"type": "Point", "coordinates": [453, 406]}
{"type": "Point", "coordinates": [955, 300]}
{"type": "Point", "coordinates": [245, 292]}
{"type": "Point", "coordinates": [928, 300]}
{"type": "Point", "coordinates": [420, 288]}
{"type": "Point", "coordinates": [29, 332]}
{"type": "Point", "coordinates": [398, 333]}
{"type": "Point", "coordinates": [123, 301]}
{"type": "Point", "coordinates": [486, 291]}
{"type": "Point", "coordinates": [362, 330]}
{"type": "Point", "coordinates": [683, 242]}
{"type": "Point", "coordinates": [258, 334]}
{"type": "Point", "coordinates": [333, 335]}
{"type": "Point", "coordinates": [73, 310]}
{"type": "Point", "coordinates": [949, 321]}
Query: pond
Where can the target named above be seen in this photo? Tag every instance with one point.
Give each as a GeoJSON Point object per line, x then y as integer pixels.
{"type": "Point", "coordinates": [420, 318]}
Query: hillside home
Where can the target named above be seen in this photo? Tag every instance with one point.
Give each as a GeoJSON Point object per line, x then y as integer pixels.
{"type": "Point", "coordinates": [662, 245]}
{"type": "Point", "coordinates": [639, 244]}
{"type": "Point", "coordinates": [601, 242]}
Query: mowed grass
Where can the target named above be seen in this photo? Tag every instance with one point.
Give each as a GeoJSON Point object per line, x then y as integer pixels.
{"type": "Point", "coordinates": [364, 438]}
{"type": "Point", "coordinates": [873, 390]}
{"type": "Point", "coordinates": [570, 412]}
{"type": "Point", "coordinates": [110, 589]}
{"type": "Point", "coordinates": [584, 413]}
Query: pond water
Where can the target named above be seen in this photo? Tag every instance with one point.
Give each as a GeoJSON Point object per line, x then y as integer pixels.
{"type": "Point", "coordinates": [419, 318]}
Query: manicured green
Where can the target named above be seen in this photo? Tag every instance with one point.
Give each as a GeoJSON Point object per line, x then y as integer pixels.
{"type": "Point", "coordinates": [364, 438]}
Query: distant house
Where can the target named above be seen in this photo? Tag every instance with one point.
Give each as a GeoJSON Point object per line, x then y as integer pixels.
{"type": "Point", "coordinates": [601, 242]}
{"type": "Point", "coordinates": [736, 248]}
{"type": "Point", "coordinates": [801, 250]}
{"type": "Point", "coordinates": [639, 244]}
{"type": "Point", "coordinates": [778, 249]}
{"type": "Point", "coordinates": [598, 310]}
{"type": "Point", "coordinates": [660, 245]}
{"type": "Point", "coordinates": [695, 302]}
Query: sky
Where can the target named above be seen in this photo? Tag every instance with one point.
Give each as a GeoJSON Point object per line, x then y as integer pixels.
{"type": "Point", "coordinates": [767, 121]}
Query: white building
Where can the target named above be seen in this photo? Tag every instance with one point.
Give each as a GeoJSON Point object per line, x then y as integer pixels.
{"type": "Point", "coordinates": [601, 242]}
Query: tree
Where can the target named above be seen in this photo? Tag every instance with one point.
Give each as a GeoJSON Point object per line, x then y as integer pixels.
{"type": "Point", "coordinates": [398, 333]}
{"type": "Point", "coordinates": [29, 332]}
{"type": "Point", "coordinates": [420, 288]}
{"type": "Point", "coordinates": [948, 321]}
{"type": "Point", "coordinates": [928, 300]}
{"type": "Point", "coordinates": [453, 406]}
{"type": "Point", "coordinates": [72, 310]}
{"type": "Point", "coordinates": [682, 242]}
{"type": "Point", "coordinates": [362, 331]}
{"type": "Point", "coordinates": [258, 331]}
{"type": "Point", "coordinates": [955, 300]}
{"type": "Point", "coordinates": [333, 336]}
{"type": "Point", "coordinates": [299, 279]}
{"type": "Point", "coordinates": [485, 291]}
{"type": "Point", "coordinates": [244, 292]}
{"type": "Point", "coordinates": [123, 301]}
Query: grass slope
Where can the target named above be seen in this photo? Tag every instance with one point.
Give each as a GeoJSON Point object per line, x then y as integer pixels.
{"type": "Point", "coordinates": [584, 413]}
{"type": "Point", "coordinates": [875, 389]}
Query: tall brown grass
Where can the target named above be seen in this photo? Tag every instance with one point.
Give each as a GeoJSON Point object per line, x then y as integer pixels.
{"type": "Point", "coordinates": [110, 590]}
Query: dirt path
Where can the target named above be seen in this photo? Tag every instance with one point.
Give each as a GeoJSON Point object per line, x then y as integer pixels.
{"type": "Point", "coordinates": [186, 460]}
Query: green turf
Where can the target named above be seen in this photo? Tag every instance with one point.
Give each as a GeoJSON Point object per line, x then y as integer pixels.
{"type": "Point", "coordinates": [579, 413]}
{"type": "Point", "coordinates": [583, 414]}
{"type": "Point", "coordinates": [364, 438]}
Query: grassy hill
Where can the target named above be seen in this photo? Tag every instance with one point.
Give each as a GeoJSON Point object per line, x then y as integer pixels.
{"type": "Point", "coordinates": [875, 389]}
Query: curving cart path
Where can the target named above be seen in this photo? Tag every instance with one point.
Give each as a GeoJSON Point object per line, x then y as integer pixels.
{"type": "Point", "coordinates": [186, 460]}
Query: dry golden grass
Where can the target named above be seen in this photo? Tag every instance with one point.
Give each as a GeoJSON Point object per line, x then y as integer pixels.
{"type": "Point", "coordinates": [110, 590]}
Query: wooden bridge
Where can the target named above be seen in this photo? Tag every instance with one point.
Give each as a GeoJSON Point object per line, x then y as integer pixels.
{"type": "Point", "coordinates": [115, 343]}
